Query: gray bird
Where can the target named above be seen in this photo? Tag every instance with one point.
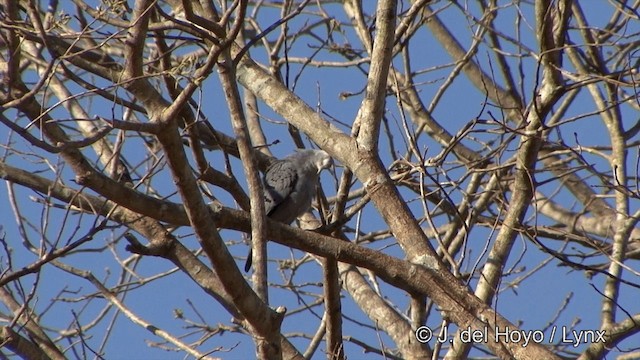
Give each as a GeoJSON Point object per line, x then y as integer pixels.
{"type": "Point", "coordinates": [290, 185]}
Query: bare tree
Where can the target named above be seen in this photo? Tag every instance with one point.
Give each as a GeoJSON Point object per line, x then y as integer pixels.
{"type": "Point", "coordinates": [485, 149]}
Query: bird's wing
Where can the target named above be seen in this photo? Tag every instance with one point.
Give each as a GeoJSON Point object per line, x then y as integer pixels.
{"type": "Point", "coordinates": [279, 181]}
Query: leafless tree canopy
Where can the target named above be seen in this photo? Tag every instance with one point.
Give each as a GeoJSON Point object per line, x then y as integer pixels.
{"type": "Point", "coordinates": [487, 156]}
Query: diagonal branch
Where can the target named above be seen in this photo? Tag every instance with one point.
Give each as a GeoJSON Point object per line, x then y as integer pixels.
{"type": "Point", "coordinates": [367, 122]}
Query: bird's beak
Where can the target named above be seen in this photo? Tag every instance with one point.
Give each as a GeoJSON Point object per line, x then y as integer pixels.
{"type": "Point", "coordinates": [332, 168]}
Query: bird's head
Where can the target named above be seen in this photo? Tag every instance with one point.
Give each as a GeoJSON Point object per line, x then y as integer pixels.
{"type": "Point", "coordinates": [311, 159]}
{"type": "Point", "coordinates": [322, 160]}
